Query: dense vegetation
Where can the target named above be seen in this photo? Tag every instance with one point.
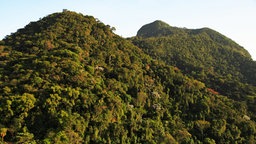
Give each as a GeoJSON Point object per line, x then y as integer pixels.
{"type": "Point", "coordinates": [68, 78]}
{"type": "Point", "coordinates": [203, 54]}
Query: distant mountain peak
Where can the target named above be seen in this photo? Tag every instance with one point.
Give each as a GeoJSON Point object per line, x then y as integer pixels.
{"type": "Point", "coordinates": [157, 28]}
{"type": "Point", "coordinates": [160, 24]}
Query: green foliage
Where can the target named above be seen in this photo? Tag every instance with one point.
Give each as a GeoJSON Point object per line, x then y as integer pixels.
{"type": "Point", "coordinates": [203, 54]}
{"type": "Point", "coordinates": [68, 78]}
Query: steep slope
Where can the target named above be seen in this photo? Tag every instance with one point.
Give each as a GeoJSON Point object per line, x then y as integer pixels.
{"type": "Point", "coordinates": [203, 54]}
{"type": "Point", "coordinates": [68, 78]}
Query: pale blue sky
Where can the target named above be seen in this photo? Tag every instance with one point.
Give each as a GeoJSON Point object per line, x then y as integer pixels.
{"type": "Point", "coordinates": [234, 18]}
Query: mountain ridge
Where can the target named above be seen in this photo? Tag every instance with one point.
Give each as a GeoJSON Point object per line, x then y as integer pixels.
{"type": "Point", "coordinates": [159, 28]}
{"type": "Point", "coordinates": [68, 78]}
{"type": "Point", "coordinates": [202, 46]}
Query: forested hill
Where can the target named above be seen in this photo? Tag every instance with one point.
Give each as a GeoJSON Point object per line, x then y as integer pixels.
{"type": "Point", "coordinates": [159, 29]}
{"type": "Point", "coordinates": [203, 54]}
{"type": "Point", "coordinates": [68, 78]}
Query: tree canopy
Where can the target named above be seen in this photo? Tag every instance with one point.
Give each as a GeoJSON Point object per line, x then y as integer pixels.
{"type": "Point", "coordinates": [68, 78]}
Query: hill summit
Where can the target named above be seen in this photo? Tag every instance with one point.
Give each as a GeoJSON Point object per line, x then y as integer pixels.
{"type": "Point", "coordinates": [68, 78]}
{"type": "Point", "coordinates": [157, 28]}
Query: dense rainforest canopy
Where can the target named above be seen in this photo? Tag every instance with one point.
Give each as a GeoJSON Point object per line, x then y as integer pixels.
{"type": "Point", "coordinates": [203, 54]}
{"type": "Point", "coordinates": [68, 78]}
